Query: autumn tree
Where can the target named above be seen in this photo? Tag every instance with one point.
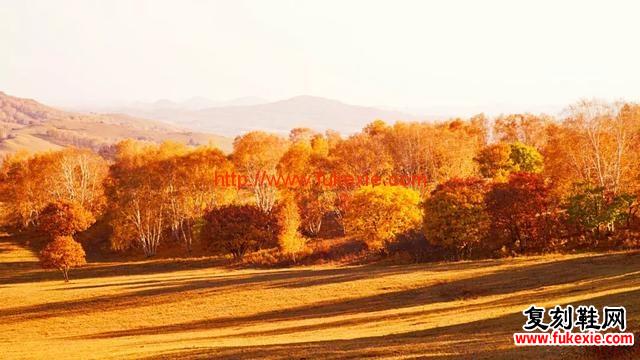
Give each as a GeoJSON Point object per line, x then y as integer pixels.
{"type": "Point", "coordinates": [461, 140]}
{"type": "Point", "coordinates": [305, 159]}
{"type": "Point", "coordinates": [23, 187]}
{"type": "Point", "coordinates": [525, 128]}
{"type": "Point", "coordinates": [288, 216]}
{"type": "Point", "coordinates": [456, 216]}
{"type": "Point", "coordinates": [28, 183]}
{"type": "Point", "coordinates": [63, 253]}
{"type": "Point", "coordinates": [592, 210]}
{"type": "Point", "coordinates": [64, 219]}
{"type": "Point", "coordinates": [596, 144]}
{"type": "Point", "coordinates": [238, 229]}
{"type": "Point", "coordinates": [521, 213]}
{"type": "Point", "coordinates": [413, 148]}
{"type": "Point", "coordinates": [139, 199]}
{"type": "Point", "coordinates": [79, 178]}
{"type": "Point", "coordinates": [191, 189]}
{"type": "Point", "coordinates": [380, 213]}
{"type": "Point", "coordinates": [495, 161]}
{"type": "Point", "coordinates": [316, 203]}
{"type": "Point", "coordinates": [301, 134]}
{"type": "Point", "coordinates": [499, 160]}
{"type": "Point", "coordinates": [361, 155]}
{"type": "Point", "coordinates": [296, 160]}
{"type": "Point", "coordinates": [435, 152]}
{"type": "Point", "coordinates": [256, 155]}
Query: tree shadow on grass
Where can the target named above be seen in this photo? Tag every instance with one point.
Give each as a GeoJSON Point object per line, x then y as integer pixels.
{"type": "Point", "coordinates": [160, 291]}
{"type": "Point", "coordinates": [537, 279]}
{"type": "Point", "coordinates": [33, 273]}
{"type": "Point", "coordinates": [482, 339]}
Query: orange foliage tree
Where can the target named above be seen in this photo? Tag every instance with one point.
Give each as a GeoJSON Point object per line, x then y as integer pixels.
{"type": "Point", "coordinates": [28, 183]}
{"type": "Point", "coordinates": [191, 189]}
{"type": "Point", "coordinates": [304, 159]}
{"type": "Point", "coordinates": [153, 187]}
{"type": "Point", "coordinates": [456, 216]}
{"type": "Point", "coordinates": [597, 144]}
{"type": "Point", "coordinates": [526, 128]}
{"type": "Point", "coordinates": [63, 253]}
{"type": "Point", "coordinates": [64, 219]}
{"type": "Point", "coordinates": [255, 155]}
{"type": "Point", "coordinates": [138, 199]}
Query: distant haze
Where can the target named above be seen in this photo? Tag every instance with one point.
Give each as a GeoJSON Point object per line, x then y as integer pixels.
{"type": "Point", "coordinates": [238, 116]}
{"type": "Point", "coordinates": [453, 55]}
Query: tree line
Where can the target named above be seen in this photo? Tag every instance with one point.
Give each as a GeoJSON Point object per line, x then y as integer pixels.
{"type": "Point", "coordinates": [515, 184]}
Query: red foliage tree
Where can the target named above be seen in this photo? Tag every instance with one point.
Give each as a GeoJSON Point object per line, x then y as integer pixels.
{"type": "Point", "coordinates": [521, 212]}
{"type": "Point", "coordinates": [239, 229]}
{"type": "Point", "coordinates": [64, 219]}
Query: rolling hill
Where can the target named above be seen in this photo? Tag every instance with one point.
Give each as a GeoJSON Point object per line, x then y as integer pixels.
{"type": "Point", "coordinates": [280, 116]}
{"type": "Point", "coordinates": [26, 124]}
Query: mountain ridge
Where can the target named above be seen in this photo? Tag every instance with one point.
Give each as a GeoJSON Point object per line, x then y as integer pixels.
{"type": "Point", "coordinates": [278, 116]}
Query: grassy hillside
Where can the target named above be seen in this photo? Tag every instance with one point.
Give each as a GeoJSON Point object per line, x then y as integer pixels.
{"type": "Point", "coordinates": [199, 309]}
{"type": "Point", "coordinates": [26, 124]}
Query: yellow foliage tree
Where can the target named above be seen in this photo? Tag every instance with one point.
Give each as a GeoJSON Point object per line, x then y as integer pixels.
{"type": "Point", "coordinates": [255, 155]}
{"type": "Point", "coordinates": [289, 238]}
{"type": "Point", "coordinates": [380, 213]}
{"type": "Point", "coordinates": [28, 183]}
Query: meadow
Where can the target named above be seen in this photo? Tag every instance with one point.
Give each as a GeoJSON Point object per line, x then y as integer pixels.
{"type": "Point", "coordinates": [202, 308]}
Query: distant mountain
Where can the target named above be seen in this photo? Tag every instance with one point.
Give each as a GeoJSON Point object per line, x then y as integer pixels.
{"type": "Point", "coordinates": [148, 109]}
{"type": "Point", "coordinates": [280, 116]}
{"type": "Point", "coordinates": [29, 125]}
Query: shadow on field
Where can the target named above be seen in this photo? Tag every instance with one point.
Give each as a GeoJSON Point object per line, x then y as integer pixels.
{"type": "Point", "coordinates": [172, 288]}
{"type": "Point", "coordinates": [517, 282]}
{"type": "Point", "coordinates": [581, 276]}
{"type": "Point", "coordinates": [98, 270]}
{"type": "Point", "coordinates": [483, 339]}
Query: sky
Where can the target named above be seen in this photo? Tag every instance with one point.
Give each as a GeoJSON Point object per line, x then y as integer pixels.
{"type": "Point", "coordinates": [403, 54]}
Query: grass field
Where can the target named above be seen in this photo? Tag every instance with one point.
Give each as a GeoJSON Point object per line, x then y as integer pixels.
{"type": "Point", "coordinates": [197, 308]}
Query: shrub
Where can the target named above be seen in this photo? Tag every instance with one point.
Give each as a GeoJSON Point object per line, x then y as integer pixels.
{"type": "Point", "coordinates": [380, 213]}
{"type": "Point", "coordinates": [64, 219]}
{"type": "Point", "coordinates": [413, 244]}
{"type": "Point", "coordinates": [274, 258]}
{"type": "Point", "coordinates": [456, 215]}
{"type": "Point", "coordinates": [62, 253]}
{"type": "Point", "coordinates": [238, 229]}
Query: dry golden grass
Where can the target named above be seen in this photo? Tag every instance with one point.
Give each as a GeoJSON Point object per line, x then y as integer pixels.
{"type": "Point", "coordinates": [195, 309]}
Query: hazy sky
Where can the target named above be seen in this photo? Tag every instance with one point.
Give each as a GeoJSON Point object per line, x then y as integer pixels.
{"type": "Point", "coordinates": [395, 53]}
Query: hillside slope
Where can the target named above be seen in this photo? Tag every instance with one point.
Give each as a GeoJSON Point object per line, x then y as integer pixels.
{"type": "Point", "coordinates": [26, 124]}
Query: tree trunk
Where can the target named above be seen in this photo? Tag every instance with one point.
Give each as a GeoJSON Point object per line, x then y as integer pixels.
{"type": "Point", "coordinates": [65, 273]}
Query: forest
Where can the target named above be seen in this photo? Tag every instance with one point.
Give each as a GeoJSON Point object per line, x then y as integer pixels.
{"type": "Point", "coordinates": [493, 187]}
